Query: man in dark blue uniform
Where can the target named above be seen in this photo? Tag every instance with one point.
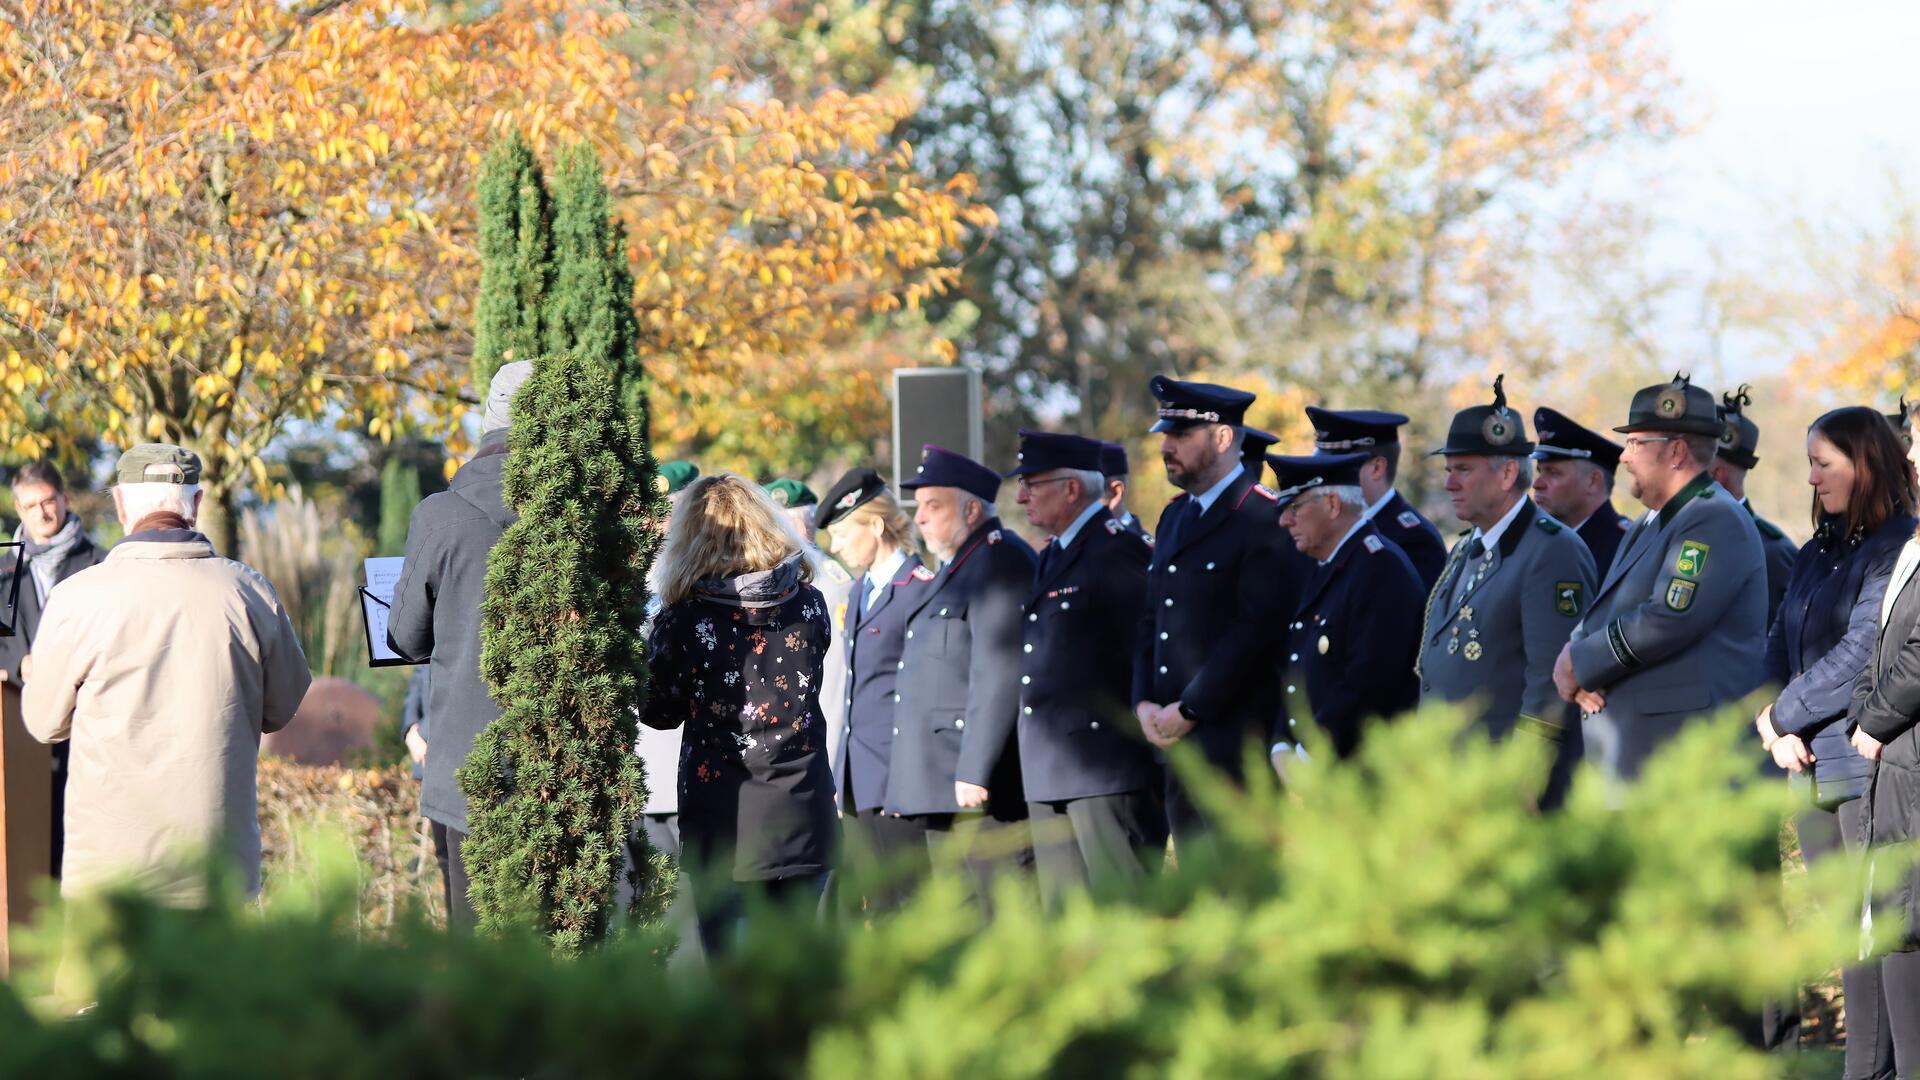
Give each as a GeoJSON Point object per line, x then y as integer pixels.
{"type": "Point", "coordinates": [1739, 439]}
{"type": "Point", "coordinates": [1114, 472]}
{"type": "Point", "coordinates": [954, 759]}
{"type": "Point", "coordinates": [1205, 670]}
{"type": "Point", "coordinates": [1355, 632]}
{"type": "Point", "coordinates": [1574, 483]}
{"type": "Point", "coordinates": [1254, 445]}
{"type": "Point", "coordinates": [1093, 787]}
{"type": "Point", "coordinates": [873, 535]}
{"type": "Point", "coordinates": [1377, 434]}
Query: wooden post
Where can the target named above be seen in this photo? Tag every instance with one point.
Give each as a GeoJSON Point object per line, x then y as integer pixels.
{"type": "Point", "coordinates": [26, 812]}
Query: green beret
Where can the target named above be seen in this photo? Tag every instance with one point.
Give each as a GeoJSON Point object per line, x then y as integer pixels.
{"type": "Point", "coordinates": [791, 493]}
{"type": "Point", "coordinates": [676, 475]}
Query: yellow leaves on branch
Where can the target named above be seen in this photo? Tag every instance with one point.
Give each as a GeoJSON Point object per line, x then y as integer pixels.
{"type": "Point", "coordinates": [219, 215]}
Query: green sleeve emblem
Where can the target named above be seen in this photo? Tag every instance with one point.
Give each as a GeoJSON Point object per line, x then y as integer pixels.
{"type": "Point", "coordinates": [1692, 559]}
{"type": "Point", "coordinates": [1680, 594]}
{"type": "Point", "coordinates": [1567, 598]}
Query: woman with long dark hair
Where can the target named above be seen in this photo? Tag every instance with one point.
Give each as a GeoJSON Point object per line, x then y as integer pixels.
{"type": "Point", "coordinates": [736, 655]}
{"type": "Point", "coordinates": [1836, 652]}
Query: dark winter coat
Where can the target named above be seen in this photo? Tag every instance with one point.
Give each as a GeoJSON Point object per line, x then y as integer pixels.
{"type": "Point", "coordinates": [26, 620]}
{"type": "Point", "coordinates": [743, 674]}
{"type": "Point", "coordinates": [1821, 641]}
{"type": "Point", "coordinates": [1886, 705]}
{"type": "Point", "coordinates": [436, 616]}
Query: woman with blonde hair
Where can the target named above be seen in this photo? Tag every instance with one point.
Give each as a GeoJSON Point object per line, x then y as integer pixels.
{"type": "Point", "coordinates": [736, 655]}
{"type": "Point", "coordinates": [870, 532]}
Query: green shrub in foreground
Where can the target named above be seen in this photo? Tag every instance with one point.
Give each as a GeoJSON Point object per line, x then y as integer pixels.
{"type": "Point", "coordinates": [1398, 916]}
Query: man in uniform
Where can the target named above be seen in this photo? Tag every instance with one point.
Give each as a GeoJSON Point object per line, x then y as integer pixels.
{"type": "Point", "coordinates": [1739, 438]}
{"type": "Point", "coordinates": [954, 762]}
{"type": "Point", "coordinates": [1377, 434]}
{"type": "Point", "coordinates": [1574, 483]}
{"type": "Point", "coordinates": [1093, 788]}
{"type": "Point", "coordinates": [1511, 592]}
{"type": "Point", "coordinates": [1204, 670]}
{"type": "Point", "coordinates": [1678, 625]}
{"type": "Point", "coordinates": [1355, 632]}
{"type": "Point", "coordinates": [1113, 469]}
{"type": "Point", "coordinates": [1254, 445]}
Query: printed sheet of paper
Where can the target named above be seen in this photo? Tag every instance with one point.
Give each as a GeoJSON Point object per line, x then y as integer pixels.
{"type": "Point", "coordinates": [375, 600]}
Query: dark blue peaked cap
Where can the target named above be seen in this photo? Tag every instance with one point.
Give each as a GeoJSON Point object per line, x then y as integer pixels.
{"type": "Point", "coordinates": [940, 467]}
{"type": "Point", "coordinates": [1298, 475]}
{"type": "Point", "coordinates": [1562, 439]}
{"type": "Point", "coordinates": [1045, 451]}
{"type": "Point", "coordinates": [1184, 404]}
{"type": "Point", "coordinates": [1342, 430]}
{"type": "Point", "coordinates": [1113, 459]}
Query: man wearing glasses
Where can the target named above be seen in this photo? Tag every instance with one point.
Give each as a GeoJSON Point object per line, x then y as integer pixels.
{"type": "Point", "coordinates": [1678, 625]}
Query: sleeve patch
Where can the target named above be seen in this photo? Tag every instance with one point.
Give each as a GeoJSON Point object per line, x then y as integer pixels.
{"type": "Point", "coordinates": [1680, 594]}
{"type": "Point", "coordinates": [1568, 598]}
{"type": "Point", "coordinates": [1547, 525]}
{"type": "Point", "coordinates": [1690, 562]}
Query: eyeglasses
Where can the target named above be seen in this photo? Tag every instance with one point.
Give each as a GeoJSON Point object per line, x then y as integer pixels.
{"type": "Point", "coordinates": [1632, 441]}
{"type": "Point", "coordinates": [1024, 483]}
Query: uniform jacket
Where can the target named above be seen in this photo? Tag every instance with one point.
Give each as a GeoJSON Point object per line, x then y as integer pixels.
{"type": "Point", "coordinates": [1677, 628]}
{"type": "Point", "coordinates": [1078, 733]}
{"type": "Point", "coordinates": [875, 641]}
{"type": "Point", "coordinates": [756, 795]}
{"type": "Point", "coordinates": [1354, 638]}
{"type": "Point", "coordinates": [1781, 554]}
{"type": "Point", "coordinates": [1209, 635]}
{"type": "Point", "coordinates": [1886, 705]}
{"type": "Point", "coordinates": [436, 616]}
{"type": "Point", "coordinates": [960, 686]}
{"type": "Point", "coordinates": [1821, 640]}
{"type": "Point", "coordinates": [163, 666]}
{"type": "Point", "coordinates": [26, 618]}
{"type": "Point", "coordinates": [1603, 531]}
{"type": "Point", "coordinates": [1523, 598]}
{"type": "Point", "coordinates": [1412, 533]}
{"type": "Point", "coordinates": [1134, 528]}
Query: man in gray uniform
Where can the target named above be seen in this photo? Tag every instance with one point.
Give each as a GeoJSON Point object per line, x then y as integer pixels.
{"type": "Point", "coordinates": [1511, 591]}
{"type": "Point", "coordinates": [1678, 625]}
{"type": "Point", "coordinates": [1739, 438]}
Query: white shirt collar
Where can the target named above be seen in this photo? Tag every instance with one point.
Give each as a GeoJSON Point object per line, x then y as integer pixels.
{"type": "Point", "coordinates": [1206, 498]}
{"type": "Point", "coordinates": [1073, 530]}
{"type": "Point", "coordinates": [1500, 527]}
{"type": "Point", "coordinates": [880, 574]}
{"type": "Point", "coordinates": [1378, 505]}
{"type": "Point", "coordinates": [1343, 542]}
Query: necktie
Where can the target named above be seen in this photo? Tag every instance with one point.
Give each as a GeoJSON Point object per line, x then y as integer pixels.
{"type": "Point", "coordinates": [1046, 557]}
{"type": "Point", "coordinates": [1189, 516]}
{"type": "Point", "coordinates": [1475, 549]}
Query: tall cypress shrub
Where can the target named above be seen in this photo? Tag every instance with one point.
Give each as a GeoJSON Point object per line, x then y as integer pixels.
{"type": "Point", "coordinates": [516, 260]}
{"type": "Point", "coordinates": [399, 494]}
{"type": "Point", "coordinates": [554, 783]}
{"type": "Point", "coordinates": [591, 309]}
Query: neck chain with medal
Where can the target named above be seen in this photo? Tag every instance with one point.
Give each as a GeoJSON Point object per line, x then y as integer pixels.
{"type": "Point", "coordinates": [1472, 644]}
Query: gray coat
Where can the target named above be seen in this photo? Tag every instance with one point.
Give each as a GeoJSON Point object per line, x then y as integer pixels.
{"type": "Point", "coordinates": [1522, 600]}
{"type": "Point", "coordinates": [436, 616]}
{"type": "Point", "coordinates": [1678, 627]}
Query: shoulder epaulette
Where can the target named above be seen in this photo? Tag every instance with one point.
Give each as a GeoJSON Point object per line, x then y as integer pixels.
{"type": "Point", "coordinates": [1114, 528]}
{"type": "Point", "coordinates": [1768, 529]}
{"type": "Point", "coordinates": [1373, 545]}
{"type": "Point", "coordinates": [1408, 519]}
{"type": "Point", "coordinates": [993, 537]}
{"type": "Point", "coordinates": [1547, 525]}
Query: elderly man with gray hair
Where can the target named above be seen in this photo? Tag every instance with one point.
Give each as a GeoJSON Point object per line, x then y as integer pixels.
{"type": "Point", "coordinates": [162, 666]}
{"type": "Point", "coordinates": [436, 616]}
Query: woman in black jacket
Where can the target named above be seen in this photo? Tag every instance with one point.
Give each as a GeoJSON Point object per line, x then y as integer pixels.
{"type": "Point", "coordinates": [1863, 511]}
{"type": "Point", "coordinates": [1881, 718]}
{"type": "Point", "coordinates": [736, 655]}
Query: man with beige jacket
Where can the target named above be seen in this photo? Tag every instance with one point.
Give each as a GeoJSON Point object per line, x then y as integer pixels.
{"type": "Point", "coordinates": [163, 665]}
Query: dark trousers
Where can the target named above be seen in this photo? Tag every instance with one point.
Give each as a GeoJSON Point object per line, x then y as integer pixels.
{"type": "Point", "coordinates": [987, 848]}
{"type": "Point", "coordinates": [1186, 822]}
{"type": "Point", "coordinates": [447, 844]}
{"type": "Point", "coordinates": [885, 857]}
{"type": "Point", "coordinates": [1102, 842]}
{"type": "Point", "coordinates": [1869, 1037]}
{"type": "Point", "coordinates": [723, 907]}
{"type": "Point", "coordinates": [1900, 1005]}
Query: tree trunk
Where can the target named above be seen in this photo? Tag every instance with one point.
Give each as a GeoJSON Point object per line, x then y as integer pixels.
{"type": "Point", "coordinates": [218, 521]}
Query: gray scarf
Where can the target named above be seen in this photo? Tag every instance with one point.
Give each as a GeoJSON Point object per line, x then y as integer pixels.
{"type": "Point", "coordinates": [757, 590]}
{"type": "Point", "coordinates": [45, 559]}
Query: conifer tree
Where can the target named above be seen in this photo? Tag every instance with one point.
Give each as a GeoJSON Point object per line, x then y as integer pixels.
{"type": "Point", "coordinates": [399, 494]}
{"type": "Point", "coordinates": [591, 305]}
{"type": "Point", "coordinates": [516, 260]}
{"type": "Point", "coordinates": [554, 783]}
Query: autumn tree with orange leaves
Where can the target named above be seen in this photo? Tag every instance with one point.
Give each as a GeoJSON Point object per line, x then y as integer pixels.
{"type": "Point", "coordinates": [221, 217]}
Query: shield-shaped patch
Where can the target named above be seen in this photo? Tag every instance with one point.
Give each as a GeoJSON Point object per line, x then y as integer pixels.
{"type": "Point", "coordinates": [1568, 598]}
{"type": "Point", "coordinates": [1680, 594]}
{"type": "Point", "coordinates": [1692, 558]}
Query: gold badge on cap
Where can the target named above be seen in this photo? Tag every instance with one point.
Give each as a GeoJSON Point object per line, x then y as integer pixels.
{"type": "Point", "coordinates": [1497, 429]}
